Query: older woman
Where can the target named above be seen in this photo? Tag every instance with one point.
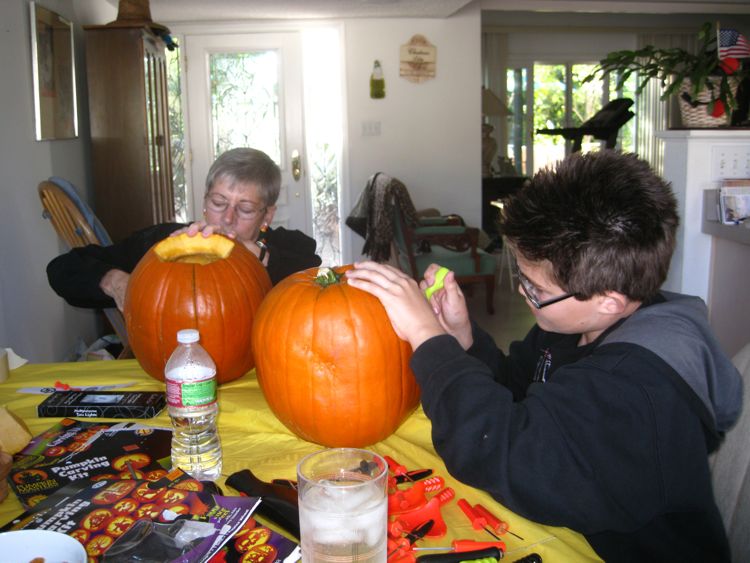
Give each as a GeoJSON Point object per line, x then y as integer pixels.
{"type": "Point", "coordinates": [241, 191]}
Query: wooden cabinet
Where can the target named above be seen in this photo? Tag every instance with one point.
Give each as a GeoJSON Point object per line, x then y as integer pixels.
{"type": "Point", "coordinates": [130, 154]}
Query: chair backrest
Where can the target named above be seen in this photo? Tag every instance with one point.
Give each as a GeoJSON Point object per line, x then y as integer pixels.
{"type": "Point", "coordinates": [404, 243]}
{"type": "Point", "coordinates": [77, 225]}
{"type": "Point", "coordinates": [730, 470]}
{"type": "Point", "coordinates": [66, 217]}
{"type": "Point", "coordinates": [613, 115]}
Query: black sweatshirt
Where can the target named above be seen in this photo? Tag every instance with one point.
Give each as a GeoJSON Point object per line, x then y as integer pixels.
{"type": "Point", "coordinates": [75, 276]}
{"type": "Point", "coordinates": [609, 439]}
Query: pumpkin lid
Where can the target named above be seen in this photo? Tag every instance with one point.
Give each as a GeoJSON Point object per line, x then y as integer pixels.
{"type": "Point", "coordinates": [196, 249]}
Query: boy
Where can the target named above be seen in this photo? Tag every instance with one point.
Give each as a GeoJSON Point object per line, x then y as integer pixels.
{"type": "Point", "coordinates": [602, 418]}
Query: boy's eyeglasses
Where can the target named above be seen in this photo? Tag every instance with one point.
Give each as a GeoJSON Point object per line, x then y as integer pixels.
{"type": "Point", "coordinates": [530, 289]}
{"type": "Point", "coordinates": [245, 211]}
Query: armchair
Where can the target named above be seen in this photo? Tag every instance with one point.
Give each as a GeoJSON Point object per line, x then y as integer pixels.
{"type": "Point", "coordinates": [385, 216]}
{"type": "Point", "coordinates": [453, 246]}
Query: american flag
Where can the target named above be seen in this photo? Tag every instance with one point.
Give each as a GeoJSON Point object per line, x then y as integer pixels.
{"type": "Point", "coordinates": [733, 44]}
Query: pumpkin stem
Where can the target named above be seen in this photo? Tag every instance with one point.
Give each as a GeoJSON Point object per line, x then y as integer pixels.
{"type": "Point", "coordinates": [327, 276]}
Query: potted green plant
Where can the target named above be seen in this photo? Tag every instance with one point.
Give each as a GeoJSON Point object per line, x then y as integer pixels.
{"type": "Point", "coordinates": [706, 83]}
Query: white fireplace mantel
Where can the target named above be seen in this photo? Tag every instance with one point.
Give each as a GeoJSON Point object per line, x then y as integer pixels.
{"type": "Point", "coordinates": [696, 160]}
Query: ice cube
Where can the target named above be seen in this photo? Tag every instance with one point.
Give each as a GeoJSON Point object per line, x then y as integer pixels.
{"type": "Point", "coordinates": [373, 523]}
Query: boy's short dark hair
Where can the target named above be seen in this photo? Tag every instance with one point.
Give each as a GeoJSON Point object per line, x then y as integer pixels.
{"type": "Point", "coordinates": [603, 219]}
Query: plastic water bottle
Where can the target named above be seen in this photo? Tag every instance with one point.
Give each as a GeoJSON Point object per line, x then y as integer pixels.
{"type": "Point", "coordinates": [190, 375]}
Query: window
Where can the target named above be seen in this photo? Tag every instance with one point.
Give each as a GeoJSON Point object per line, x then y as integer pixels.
{"type": "Point", "coordinates": [553, 96]}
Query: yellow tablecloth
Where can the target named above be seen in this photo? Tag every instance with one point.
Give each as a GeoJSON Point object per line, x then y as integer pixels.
{"type": "Point", "coordinates": [253, 438]}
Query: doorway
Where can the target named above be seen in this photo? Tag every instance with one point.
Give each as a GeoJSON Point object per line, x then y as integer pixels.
{"type": "Point", "coordinates": [246, 90]}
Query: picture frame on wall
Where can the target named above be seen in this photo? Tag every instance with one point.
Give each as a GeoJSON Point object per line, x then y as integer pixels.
{"type": "Point", "coordinates": [53, 71]}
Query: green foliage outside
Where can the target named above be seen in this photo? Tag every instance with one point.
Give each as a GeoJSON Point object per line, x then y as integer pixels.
{"type": "Point", "coordinates": [177, 135]}
{"type": "Point", "coordinates": [245, 102]}
{"type": "Point", "coordinates": [549, 101]}
{"type": "Point", "coordinates": [324, 176]}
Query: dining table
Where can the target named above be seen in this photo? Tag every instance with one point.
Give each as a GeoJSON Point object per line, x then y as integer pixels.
{"type": "Point", "coordinates": [253, 438]}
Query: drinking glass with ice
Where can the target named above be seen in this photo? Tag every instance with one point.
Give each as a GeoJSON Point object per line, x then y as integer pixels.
{"type": "Point", "coordinates": [343, 506]}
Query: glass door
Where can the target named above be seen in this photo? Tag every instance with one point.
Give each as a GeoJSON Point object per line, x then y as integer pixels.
{"type": "Point", "coordinates": [246, 90]}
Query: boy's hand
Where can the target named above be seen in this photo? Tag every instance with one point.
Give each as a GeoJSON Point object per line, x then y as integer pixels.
{"type": "Point", "coordinates": [449, 305]}
{"type": "Point", "coordinates": [403, 300]}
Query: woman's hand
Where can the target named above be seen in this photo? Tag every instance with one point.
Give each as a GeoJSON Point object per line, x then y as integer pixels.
{"type": "Point", "coordinates": [404, 301]}
{"type": "Point", "coordinates": [449, 305]}
{"type": "Point", "coordinates": [115, 284]}
{"type": "Point", "coordinates": [204, 229]}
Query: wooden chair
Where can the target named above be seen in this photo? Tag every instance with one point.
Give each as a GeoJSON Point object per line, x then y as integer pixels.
{"type": "Point", "coordinates": [452, 246]}
{"type": "Point", "coordinates": [76, 224]}
{"type": "Point", "coordinates": [66, 217]}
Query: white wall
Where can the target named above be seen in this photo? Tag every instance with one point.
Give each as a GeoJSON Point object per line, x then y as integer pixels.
{"type": "Point", "coordinates": [430, 132]}
{"type": "Point", "coordinates": [34, 321]}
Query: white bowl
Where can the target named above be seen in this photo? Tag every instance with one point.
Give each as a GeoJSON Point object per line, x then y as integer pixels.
{"type": "Point", "coordinates": [24, 545]}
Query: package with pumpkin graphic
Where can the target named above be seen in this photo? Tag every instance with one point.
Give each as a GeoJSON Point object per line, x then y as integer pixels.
{"type": "Point", "coordinates": [173, 519]}
{"type": "Point", "coordinates": [71, 450]}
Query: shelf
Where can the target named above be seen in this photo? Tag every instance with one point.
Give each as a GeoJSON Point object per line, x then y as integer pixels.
{"type": "Point", "coordinates": [737, 233]}
{"type": "Point", "coordinates": [712, 226]}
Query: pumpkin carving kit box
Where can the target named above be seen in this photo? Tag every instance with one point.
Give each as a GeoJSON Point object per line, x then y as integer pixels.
{"type": "Point", "coordinates": [173, 519]}
{"type": "Point", "coordinates": [102, 404]}
{"type": "Point", "coordinates": [75, 449]}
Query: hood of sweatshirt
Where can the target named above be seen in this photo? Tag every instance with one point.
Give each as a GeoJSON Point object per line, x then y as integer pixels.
{"type": "Point", "coordinates": [677, 331]}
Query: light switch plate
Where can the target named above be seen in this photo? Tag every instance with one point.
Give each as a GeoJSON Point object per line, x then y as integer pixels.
{"type": "Point", "coordinates": [730, 161]}
{"type": "Point", "coordinates": [370, 128]}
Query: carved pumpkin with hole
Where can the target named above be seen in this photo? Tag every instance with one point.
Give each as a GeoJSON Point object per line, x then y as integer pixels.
{"type": "Point", "coordinates": [212, 284]}
{"type": "Point", "coordinates": [329, 363]}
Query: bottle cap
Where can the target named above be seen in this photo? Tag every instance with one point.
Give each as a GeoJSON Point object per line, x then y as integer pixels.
{"type": "Point", "coordinates": [188, 336]}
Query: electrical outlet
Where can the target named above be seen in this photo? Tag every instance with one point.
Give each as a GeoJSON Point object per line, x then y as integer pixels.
{"type": "Point", "coordinates": [730, 161]}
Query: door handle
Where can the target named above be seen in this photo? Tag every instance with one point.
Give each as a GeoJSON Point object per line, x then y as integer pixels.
{"type": "Point", "coordinates": [296, 165]}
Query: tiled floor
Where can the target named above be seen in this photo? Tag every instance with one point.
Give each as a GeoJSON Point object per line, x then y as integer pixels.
{"type": "Point", "coordinates": [512, 318]}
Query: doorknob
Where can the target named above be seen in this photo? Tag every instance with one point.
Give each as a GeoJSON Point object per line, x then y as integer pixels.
{"type": "Point", "coordinates": [296, 165]}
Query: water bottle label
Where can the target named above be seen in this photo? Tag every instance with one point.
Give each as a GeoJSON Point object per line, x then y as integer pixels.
{"type": "Point", "coordinates": [191, 394]}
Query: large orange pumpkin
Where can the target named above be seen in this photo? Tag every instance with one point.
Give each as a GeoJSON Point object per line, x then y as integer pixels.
{"type": "Point", "coordinates": [329, 363]}
{"type": "Point", "coordinates": [212, 284]}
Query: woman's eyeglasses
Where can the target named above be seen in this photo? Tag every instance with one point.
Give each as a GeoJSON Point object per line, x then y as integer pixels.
{"type": "Point", "coordinates": [531, 292]}
{"type": "Point", "coordinates": [245, 211]}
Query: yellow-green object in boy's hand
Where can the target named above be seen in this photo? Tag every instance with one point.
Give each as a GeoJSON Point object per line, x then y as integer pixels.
{"type": "Point", "coordinates": [438, 283]}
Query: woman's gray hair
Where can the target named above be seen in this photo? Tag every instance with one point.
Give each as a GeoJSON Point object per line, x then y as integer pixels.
{"type": "Point", "coordinates": [247, 166]}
